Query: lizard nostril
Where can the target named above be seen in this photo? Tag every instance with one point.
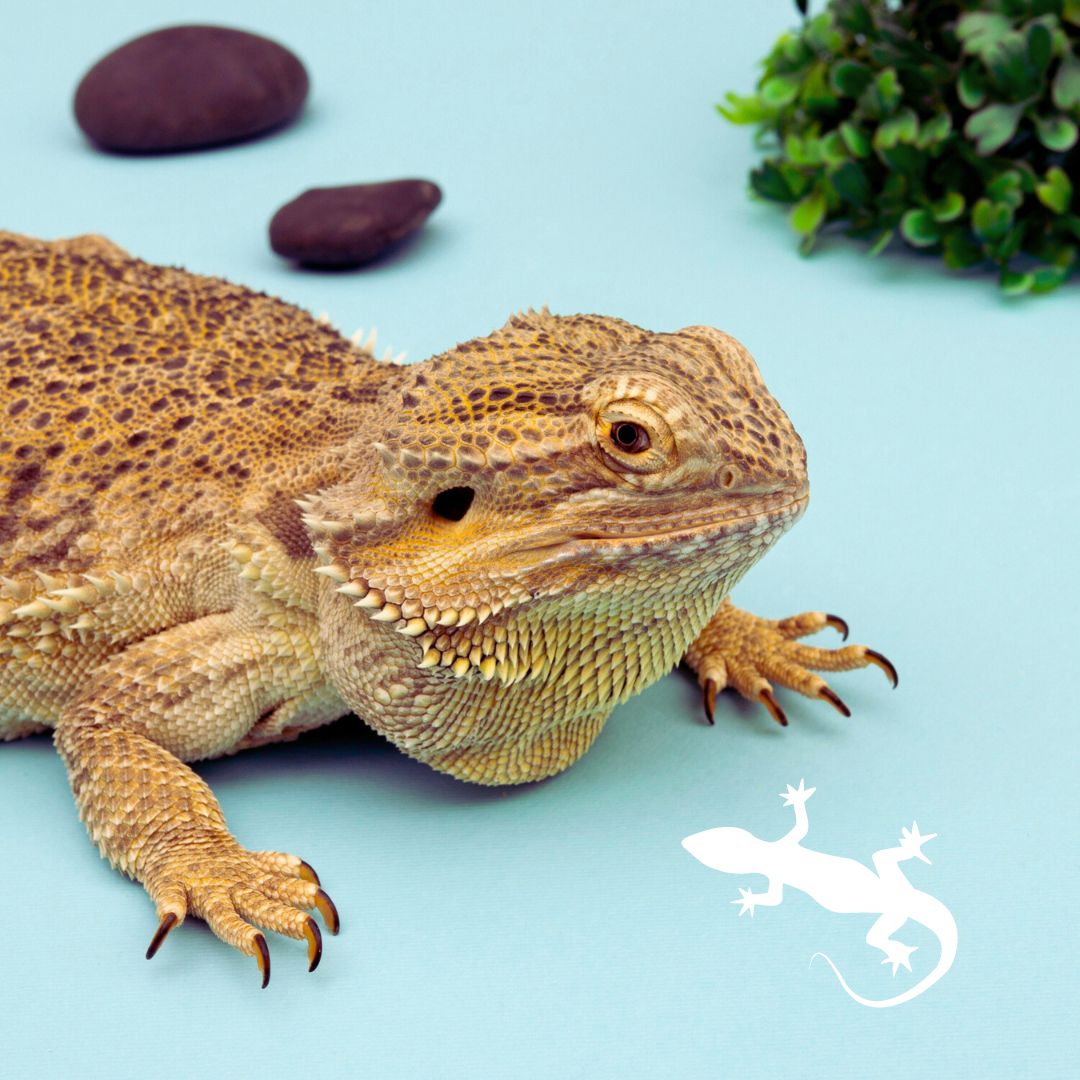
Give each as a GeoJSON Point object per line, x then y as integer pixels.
{"type": "Point", "coordinates": [453, 503]}
{"type": "Point", "coordinates": [729, 475]}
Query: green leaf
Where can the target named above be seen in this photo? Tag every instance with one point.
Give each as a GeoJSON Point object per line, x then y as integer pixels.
{"type": "Point", "coordinates": [779, 90]}
{"type": "Point", "coordinates": [901, 128]}
{"type": "Point", "coordinates": [854, 16]}
{"type": "Point", "coordinates": [935, 131]}
{"type": "Point", "coordinates": [849, 78]}
{"type": "Point", "coordinates": [1007, 187]}
{"type": "Point", "coordinates": [1005, 248]}
{"type": "Point", "coordinates": [793, 50]}
{"type": "Point", "coordinates": [1048, 278]}
{"type": "Point", "coordinates": [1040, 46]}
{"type": "Point", "coordinates": [908, 161]}
{"type": "Point", "coordinates": [971, 87]}
{"type": "Point", "coordinates": [852, 184]}
{"type": "Point", "coordinates": [1055, 192]}
{"type": "Point", "coordinates": [743, 110]}
{"type": "Point", "coordinates": [1056, 132]}
{"type": "Point", "coordinates": [883, 95]}
{"type": "Point", "coordinates": [992, 127]}
{"type": "Point", "coordinates": [816, 93]}
{"type": "Point", "coordinates": [919, 229]}
{"type": "Point", "coordinates": [991, 220]}
{"type": "Point", "coordinates": [796, 180]}
{"type": "Point", "coordinates": [768, 181]}
{"type": "Point", "coordinates": [802, 150]}
{"type": "Point", "coordinates": [809, 213]}
{"type": "Point", "coordinates": [1066, 85]}
{"type": "Point", "coordinates": [1014, 283]}
{"type": "Point", "coordinates": [882, 242]}
{"type": "Point", "coordinates": [980, 31]}
{"type": "Point", "coordinates": [1009, 69]}
{"type": "Point", "coordinates": [960, 251]}
{"type": "Point", "coordinates": [854, 139]}
{"type": "Point", "coordinates": [948, 208]}
{"type": "Point", "coordinates": [833, 150]}
{"type": "Point", "coordinates": [822, 34]}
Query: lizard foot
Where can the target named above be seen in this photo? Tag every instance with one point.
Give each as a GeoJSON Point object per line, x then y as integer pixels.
{"type": "Point", "coordinates": [899, 955]}
{"type": "Point", "coordinates": [749, 654]}
{"type": "Point", "coordinates": [748, 900]}
{"type": "Point", "coordinates": [234, 890]}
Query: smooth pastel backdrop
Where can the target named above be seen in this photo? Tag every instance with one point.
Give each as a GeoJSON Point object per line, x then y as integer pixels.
{"type": "Point", "coordinates": [560, 929]}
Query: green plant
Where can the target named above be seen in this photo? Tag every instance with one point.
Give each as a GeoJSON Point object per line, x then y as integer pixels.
{"type": "Point", "coordinates": [954, 124]}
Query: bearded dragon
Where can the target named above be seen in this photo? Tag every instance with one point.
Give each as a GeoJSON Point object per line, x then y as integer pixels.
{"type": "Point", "coordinates": [223, 524]}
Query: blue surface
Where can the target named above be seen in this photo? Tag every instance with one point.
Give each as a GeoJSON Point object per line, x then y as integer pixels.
{"type": "Point", "coordinates": [560, 929]}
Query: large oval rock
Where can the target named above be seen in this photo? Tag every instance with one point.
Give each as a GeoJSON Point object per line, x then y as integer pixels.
{"type": "Point", "coordinates": [351, 225]}
{"type": "Point", "coordinates": [189, 86]}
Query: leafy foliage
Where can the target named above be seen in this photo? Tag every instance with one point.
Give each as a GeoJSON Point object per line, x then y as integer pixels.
{"type": "Point", "coordinates": [953, 123]}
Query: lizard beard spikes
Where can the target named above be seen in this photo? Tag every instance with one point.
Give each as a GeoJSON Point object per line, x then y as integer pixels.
{"type": "Point", "coordinates": [464, 639]}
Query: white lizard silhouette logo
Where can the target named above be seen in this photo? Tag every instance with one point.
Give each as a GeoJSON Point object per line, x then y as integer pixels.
{"type": "Point", "coordinates": [837, 884]}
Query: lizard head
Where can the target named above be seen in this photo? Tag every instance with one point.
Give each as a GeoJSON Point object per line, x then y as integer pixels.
{"type": "Point", "coordinates": [561, 469]}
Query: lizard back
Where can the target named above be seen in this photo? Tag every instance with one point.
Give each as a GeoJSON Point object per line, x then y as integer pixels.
{"type": "Point", "coordinates": [145, 409]}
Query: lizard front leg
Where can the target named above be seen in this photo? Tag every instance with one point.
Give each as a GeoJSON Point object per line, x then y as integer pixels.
{"type": "Point", "coordinates": [749, 654]}
{"type": "Point", "coordinates": [192, 692]}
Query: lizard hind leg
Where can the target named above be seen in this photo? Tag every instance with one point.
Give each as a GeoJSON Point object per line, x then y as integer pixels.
{"type": "Point", "coordinates": [880, 937]}
{"type": "Point", "coordinates": [748, 654]}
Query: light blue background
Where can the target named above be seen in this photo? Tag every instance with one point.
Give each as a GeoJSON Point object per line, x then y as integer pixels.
{"type": "Point", "coordinates": [559, 929]}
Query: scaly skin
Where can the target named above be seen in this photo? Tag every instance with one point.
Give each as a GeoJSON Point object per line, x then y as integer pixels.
{"type": "Point", "coordinates": [222, 524]}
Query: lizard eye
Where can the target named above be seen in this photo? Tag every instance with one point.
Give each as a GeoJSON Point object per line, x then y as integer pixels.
{"type": "Point", "coordinates": [634, 437]}
{"type": "Point", "coordinates": [629, 437]}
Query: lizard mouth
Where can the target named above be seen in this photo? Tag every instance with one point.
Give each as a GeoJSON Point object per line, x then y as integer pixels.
{"type": "Point", "coordinates": [471, 636]}
{"type": "Point", "coordinates": [698, 532]}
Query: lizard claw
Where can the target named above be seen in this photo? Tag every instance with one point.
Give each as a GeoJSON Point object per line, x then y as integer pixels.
{"type": "Point", "coordinates": [262, 956]}
{"type": "Point", "coordinates": [314, 940]}
{"type": "Point", "coordinates": [838, 624]}
{"type": "Point", "coordinates": [162, 932]}
{"type": "Point", "coordinates": [765, 696]}
{"type": "Point", "coordinates": [885, 664]}
{"type": "Point", "coordinates": [830, 695]}
{"type": "Point", "coordinates": [328, 912]}
{"type": "Point", "coordinates": [307, 873]}
{"type": "Point", "coordinates": [710, 700]}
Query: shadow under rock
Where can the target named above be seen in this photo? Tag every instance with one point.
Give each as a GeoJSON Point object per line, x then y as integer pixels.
{"type": "Point", "coordinates": [428, 238]}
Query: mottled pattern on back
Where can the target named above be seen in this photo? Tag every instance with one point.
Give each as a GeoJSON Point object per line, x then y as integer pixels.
{"type": "Point", "coordinates": [132, 391]}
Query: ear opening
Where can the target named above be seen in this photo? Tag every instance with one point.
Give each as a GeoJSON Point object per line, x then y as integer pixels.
{"type": "Point", "coordinates": [453, 503]}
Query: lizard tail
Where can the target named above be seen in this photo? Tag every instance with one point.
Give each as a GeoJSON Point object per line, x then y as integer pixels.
{"type": "Point", "coordinates": [947, 938]}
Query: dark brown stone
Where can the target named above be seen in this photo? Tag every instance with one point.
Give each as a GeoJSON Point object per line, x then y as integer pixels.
{"type": "Point", "coordinates": [351, 225]}
{"type": "Point", "coordinates": [189, 86]}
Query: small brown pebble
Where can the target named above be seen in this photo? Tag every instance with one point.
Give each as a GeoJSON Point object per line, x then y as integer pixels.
{"type": "Point", "coordinates": [351, 225]}
{"type": "Point", "coordinates": [189, 86]}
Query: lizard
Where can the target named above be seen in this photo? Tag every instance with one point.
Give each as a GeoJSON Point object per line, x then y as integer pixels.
{"type": "Point", "coordinates": [838, 884]}
{"type": "Point", "coordinates": [223, 524]}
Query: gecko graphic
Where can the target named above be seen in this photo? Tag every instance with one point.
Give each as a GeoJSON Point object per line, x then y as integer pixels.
{"type": "Point", "coordinates": [837, 884]}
